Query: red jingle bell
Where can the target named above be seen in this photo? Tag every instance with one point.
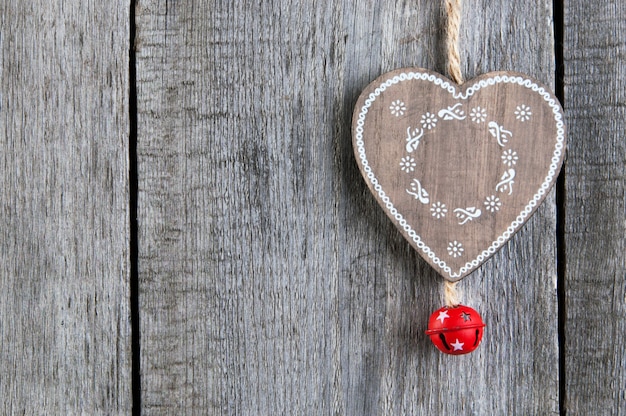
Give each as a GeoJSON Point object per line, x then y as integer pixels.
{"type": "Point", "coordinates": [455, 330]}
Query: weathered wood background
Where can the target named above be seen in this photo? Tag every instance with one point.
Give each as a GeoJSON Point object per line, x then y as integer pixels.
{"type": "Point", "coordinates": [270, 282]}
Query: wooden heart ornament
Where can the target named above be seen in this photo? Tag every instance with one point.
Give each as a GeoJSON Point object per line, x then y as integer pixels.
{"type": "Point", "coordinates": [458, 169]}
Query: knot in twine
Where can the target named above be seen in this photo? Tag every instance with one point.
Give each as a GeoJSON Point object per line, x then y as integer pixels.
{"type": "Point", "coordinates": [450, 294]}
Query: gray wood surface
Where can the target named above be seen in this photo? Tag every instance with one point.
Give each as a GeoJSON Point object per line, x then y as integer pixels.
{"type": "Point", "coordinates": [595, 224]}
{"type": "Point", "coordinates": [270, 280]}
{"type": "Point", "coordinates": [64, 262]}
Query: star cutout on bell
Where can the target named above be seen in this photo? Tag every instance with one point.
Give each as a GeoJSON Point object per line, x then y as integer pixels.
{"type": "Point", "coordinates": [458, 346]}
{"type": "Point", "coordinates": [466, 316]}
{"type": "Point", "coordinates": [442, 316]}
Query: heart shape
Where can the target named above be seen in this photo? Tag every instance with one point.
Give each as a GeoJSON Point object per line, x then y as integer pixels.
{"type": "Point", "coordinates": [458, 169]}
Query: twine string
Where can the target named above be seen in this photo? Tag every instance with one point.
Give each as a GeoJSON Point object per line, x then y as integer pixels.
{"type": "Point", "coordinates": [450, 294]}
{"type": "Point", "coordinates": [453, 22]}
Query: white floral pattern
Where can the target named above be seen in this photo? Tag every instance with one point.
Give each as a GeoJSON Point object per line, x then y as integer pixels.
{"type": "Point", "coordinates": [371, 108]}
{"type": "Point", "coordinates": [397, 108]}
{"type": "Point", "coordinates": [523, 113]}
{"type": "Point", "coordinates": [455, 249]}
{"type": "Point", "coordinates": [408, 164]}
{"type": "Point", "coordinates": [478, 115]}
{"type": "Point", "coordinates": [429, 121]}
{"type": "Point", "coordinates": [492, 203]}
{"type": "Point", "coordinates": [509, 157]}
{"type": "Point", "coordinates": [438, 210]}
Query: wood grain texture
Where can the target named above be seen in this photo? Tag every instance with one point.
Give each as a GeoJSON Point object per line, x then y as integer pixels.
{"type": "Point", "coordinates": [64, 262]}
{"type": "Point", "coordinates": [270, 280]}
{"type": "Point", "coordinates": [595, 224]}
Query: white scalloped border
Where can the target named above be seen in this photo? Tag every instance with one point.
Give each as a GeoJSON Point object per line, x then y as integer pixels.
{"type": "Point", "coordinates": [522, 217]}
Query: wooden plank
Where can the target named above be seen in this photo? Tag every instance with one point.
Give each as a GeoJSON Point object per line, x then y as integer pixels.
{"type": "Point", "coordinates": [64, 259]}
{"type": "Point", "coordinates": [270, 280]}
{"type": "Point", "coordinates": [595, 226]}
